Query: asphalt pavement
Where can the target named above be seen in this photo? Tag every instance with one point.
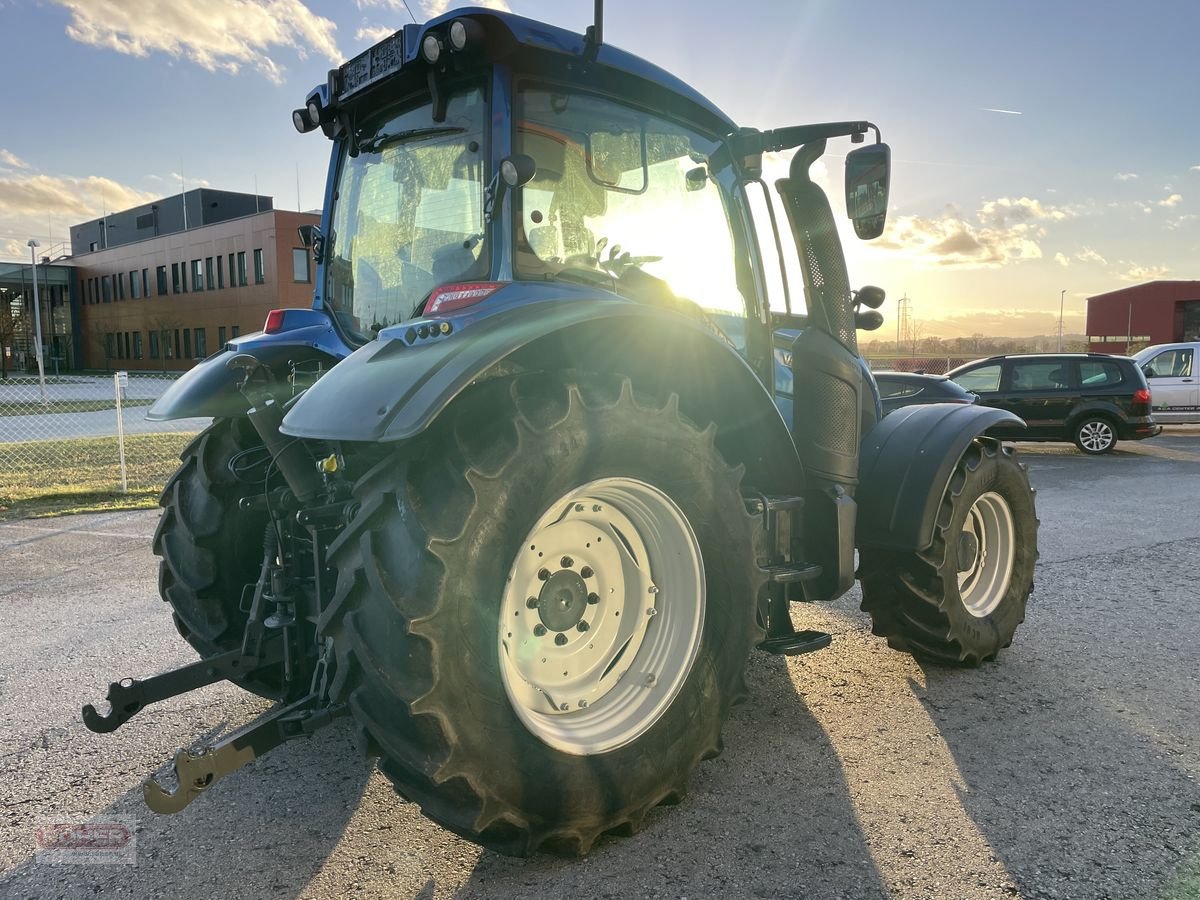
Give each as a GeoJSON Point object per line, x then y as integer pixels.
{"type": "Point", "coordinates": [1067, 769]}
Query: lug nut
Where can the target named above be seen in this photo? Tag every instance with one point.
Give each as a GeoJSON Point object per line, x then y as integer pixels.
{"type": "Point", "coordinates": [543, 574]}
{"type": "Point", "coordinates": [593, 599]}
{"type": "Point", "coordinates": [653, 589]}
{"type": "Point", "coordinates": [586, 572]}
{"type": "Point", "coordinates": [596, 507]}
{"type": "Point", "coordinates": [560, 639]}
{"type": "Point", "coordinates": [564, 707]}
{"type": "Point", "coordinates": [539, 630]}
{"type": "Point", "coordinates": [583, 704]}
{"type": "Point", "coordinates": [652, 611]}
{"type": "Point", "coordinates": [567, 562]}
{"type": "Point", "coordinates": [578, 507]}
{"type": "Point", "coordinates": [582, 626]}
{"type": "Point", "coordinates": [531, 603]}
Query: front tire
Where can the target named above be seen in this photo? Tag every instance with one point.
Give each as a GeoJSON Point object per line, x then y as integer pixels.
{"type": "Point", "coordinates": [960, 601]}
{"type": "Point", "coordinates": [507, 569]}
{"type": "Point", "coordinates": [1095, 435]}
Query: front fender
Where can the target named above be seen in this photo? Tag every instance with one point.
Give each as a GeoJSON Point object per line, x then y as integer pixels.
{"type": "Point", "coordinates": [392, 389]}
{"type": "Point", "coordinates": [905, 468]}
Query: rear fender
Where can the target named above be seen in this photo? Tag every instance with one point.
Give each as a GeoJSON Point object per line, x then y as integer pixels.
{"type": "Point", "coordinates": [210, 388]}
{"type": "Point", "coordinates": [395, 387]}
{"type": "Point", "coordinates": [905, 467]}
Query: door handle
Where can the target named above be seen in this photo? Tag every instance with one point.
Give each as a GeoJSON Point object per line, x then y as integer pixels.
{"type": "Point", "coordinates": [1187, 381]}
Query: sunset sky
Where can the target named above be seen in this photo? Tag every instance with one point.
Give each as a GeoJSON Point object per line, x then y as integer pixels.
{"type": "Point", "coordinates": [1037, 146]}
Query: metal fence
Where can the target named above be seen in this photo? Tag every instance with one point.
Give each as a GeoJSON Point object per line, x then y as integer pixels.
{"type": "Point", "coordinates": [930, 365]}
{"type": "Point", "coordinates": [85, 435]}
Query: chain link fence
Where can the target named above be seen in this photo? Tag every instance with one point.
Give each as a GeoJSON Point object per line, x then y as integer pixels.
{"type": "Point", "coordinates": [929, 365]}
{"type": "Point", "coordinates": [83, 438]}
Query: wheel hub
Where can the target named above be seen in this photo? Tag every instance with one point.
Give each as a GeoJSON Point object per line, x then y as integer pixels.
{"type": "Point", "coordinates": [986, 550]}
{"type": "Point", "coordinates": [968, 551]}
{"type": "Point", "coordinates": [562, 600]}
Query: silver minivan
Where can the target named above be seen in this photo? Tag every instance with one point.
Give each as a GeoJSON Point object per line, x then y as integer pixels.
{"type": "Point", "coordinates": [1173, 373]}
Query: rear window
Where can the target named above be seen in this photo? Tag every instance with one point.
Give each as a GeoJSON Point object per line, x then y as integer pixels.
{"type": "Point", "coordinates": [1039, 376]}
{"type": "Point", "coordinates": [1094, 373]}
{"type": "Point", "coordinates": [985, 378]}
{"type": "Point", "coordinates": [889, 389]}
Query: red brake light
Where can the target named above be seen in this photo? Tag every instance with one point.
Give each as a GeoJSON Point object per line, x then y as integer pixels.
{"type": "Point", "coordinates": [1142, 395]}
{"type": "Point", "coordinates": [274, 321]}
{"type": "Point", "coordinates": [447, 298]}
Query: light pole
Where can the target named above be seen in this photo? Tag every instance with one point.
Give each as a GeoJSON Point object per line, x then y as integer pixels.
{"type": "Point", "coordinates": [1061, 298]}
{"type": "Point", "coordinates": [37, 318]}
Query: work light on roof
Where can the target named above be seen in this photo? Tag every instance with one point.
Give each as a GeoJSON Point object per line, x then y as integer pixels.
{"type": "Point", "coordinates": [301, 120]}
{"type": "Point", "coordinates": [464, 32]}
{"type": "Point", "coordinates": [314, 112]}
{"type": "Point", "coordinates": [431, 48]}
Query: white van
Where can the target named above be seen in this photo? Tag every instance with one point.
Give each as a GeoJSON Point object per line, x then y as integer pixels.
{"type": "Point", "coordinates": [1173, 373]}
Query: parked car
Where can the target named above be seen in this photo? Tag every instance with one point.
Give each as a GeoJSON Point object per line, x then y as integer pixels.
{"type": "Point", "coordinates": [897, 389]}
{"type": "Point", "coordinates": [1092, 399]}
{"type": "Point", "coordinates": [1171, 371]}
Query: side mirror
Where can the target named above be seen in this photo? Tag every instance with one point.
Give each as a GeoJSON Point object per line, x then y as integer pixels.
{"type": "Point", "coordinates": [311, 237]}
{"type": "Point", "coordinates": [868, 179]}
{"type": "Point", "coordinates": [514, 171]}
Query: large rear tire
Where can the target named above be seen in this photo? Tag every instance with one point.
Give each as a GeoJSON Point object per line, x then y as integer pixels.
{"type": "Point", "coordinates": [210, 549]}
{"type": "Point", "coordinates": [544, 610]}
{"type": "Point", "coordinates": [959, 602]}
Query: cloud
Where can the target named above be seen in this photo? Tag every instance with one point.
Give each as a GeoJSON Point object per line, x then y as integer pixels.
{"type": "Point", "coordinates": [430, 9]}
{"type": "Point", "coordinates": [373, 34]}
{"type": "Point", "coordinates": [1194, 169]}
{"type": "Point", "coordinates": [1173, 200]}
{"type": "Point", "coordinates": [10, 159]}
{"type": "Point", "coordinates": [1182, 221]}
{"type": "Point", "coordinates": [434, 8]}
{"type": "Point", "coordinates": [1007, 112]}
{"type": "Point", "coordinates": [218, 35]}
{"type": "Point", "coordinates": [1062, 260]}
{"type": "Point", "coordinates": [1001, 231]}
{"type": "Point", "coordinates": [1126, 176]}
{"type": "Point", "coordinates": [1087, 254]}
{"type": "Point", "coordinates": [1004, 323]}
{"type": "Point", "coordinates": [1142, 273]}
{"type": "Point", "coordinates": [34, 205]}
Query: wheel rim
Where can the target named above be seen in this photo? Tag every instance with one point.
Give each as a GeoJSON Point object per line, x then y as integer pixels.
{"type": "Point", "coordinates": [986, 553]}
{"type": "Point", "coordinates": [602, 616]}
{"type": "Point", "coordinates": [1096, 436]}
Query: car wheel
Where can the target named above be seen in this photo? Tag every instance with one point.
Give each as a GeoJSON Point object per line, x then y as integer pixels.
{"type": "Point", "coordinates": [1095, 435]}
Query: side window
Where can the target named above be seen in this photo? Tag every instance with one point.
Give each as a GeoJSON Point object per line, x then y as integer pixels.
{"type": "Point", "coordinates": [1041, 375]}
{"type": "Point", "coordinates": [1171, 364]}
{"type": "Point", "coordinates": [889, 389]}
{"type": "Point", "coordinates": [985, 378]}
{"type": "Point", "coordinates": [1095, 373]}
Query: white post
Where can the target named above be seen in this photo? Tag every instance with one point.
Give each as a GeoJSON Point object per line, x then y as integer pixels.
{"type": "Point", "coordinates": [37, 320]}
{"type": "Point", "coordinates": [120, 431]}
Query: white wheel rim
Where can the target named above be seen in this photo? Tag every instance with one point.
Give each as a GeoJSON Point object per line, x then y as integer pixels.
{"type": "Point", "coordinates": [986, 552]}
{"type": "Point", "coordinates": [588, 677]}
{"type": "Point", "coordinates": [1096, 436]}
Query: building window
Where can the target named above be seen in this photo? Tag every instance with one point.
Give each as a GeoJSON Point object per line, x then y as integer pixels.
{"type": "Point", "coordinates": [241, 267]}
{"type": "Point", "coordinates": [232, 272]}
{"type": "Point", "coordinates": [119, 279]}
{"type": "Point", "coordinates": [209, 283]}
{"type": "Point", "coordinates": [109, 346]}
{"type": "Point", "coordinates": [197, 275]}
{"type": "Point", "coordinates": [236, 331]}
{"type": "Point", "coordinates": [120, 346]}
{"type": "Point", "coordinates": [161, 274]}
{"type": "Point", "coordinates": [220, 272]}
{"type": "Point", "coordinates": [145, 282]}
{"type": "Point", "coordinates": [221, 335]}
{"type": "Point", "coordinates": [260, 274]}
{"type": "Point", "coordinates": [106, 285]}
{"type": "Point", "coordinates": [300, 264]}
{"type": "Point", "coordinates": [187, 343]}
{"type": "Point", "coordinates": [201, 343]}
{"type": "Point", "coordinates": [177, 354]}
{"type": "Point", "coordinates": [91, 295]}
{"type": "Point", "coordinates": [93, 246]}
{"type": "Point", "coordinates": [183, 279]}
{"type": "Point", "coordinates": [174, 278]}
{"type": "Point", "coordinates": [133, 285]}
{"type": "Point", "coordinates": [127, 347]}
{"type": "Point", "coordinates": [137, 345]}
{"type": "Point", "coordinates": [154, 345]}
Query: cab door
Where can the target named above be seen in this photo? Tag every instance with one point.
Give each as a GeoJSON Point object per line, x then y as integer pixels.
{"type": "Point", "coordinates": [1174, 388]}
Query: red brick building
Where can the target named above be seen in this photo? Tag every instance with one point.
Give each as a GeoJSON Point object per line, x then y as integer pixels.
{"type": "Point", "coordinates": [1158, 312]}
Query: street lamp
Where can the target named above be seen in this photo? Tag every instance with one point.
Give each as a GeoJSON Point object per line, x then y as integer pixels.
{"type": "Point", "coordinates": [1061, 298]}
{"type": "Point", "coordinates": [37, 318]}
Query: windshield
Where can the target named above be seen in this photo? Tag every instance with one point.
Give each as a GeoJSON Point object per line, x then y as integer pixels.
{"type": "Point", "coordinates": [408, 212]}
{"type": "Point", "coordinates": [624, 199]}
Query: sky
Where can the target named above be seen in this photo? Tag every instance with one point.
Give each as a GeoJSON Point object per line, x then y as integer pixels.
{"type": "Point", "coordinates": [1038, 146]}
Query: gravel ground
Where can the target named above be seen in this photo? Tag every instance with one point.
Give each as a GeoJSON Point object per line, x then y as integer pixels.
{"type": "Point", "coordinates": [1066, 770]}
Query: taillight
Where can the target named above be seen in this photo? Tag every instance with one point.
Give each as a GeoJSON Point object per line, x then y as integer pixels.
{"type": "Point", "coordinates": [448, 298]}
{"type": "Point", "coordinates": [1141, 402]}
{"type": "Point", "coordinates": [274, 321]}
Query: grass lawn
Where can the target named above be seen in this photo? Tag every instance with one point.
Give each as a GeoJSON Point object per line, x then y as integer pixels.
{"type": "Point", "coordinates": [46, 478]}
{"type": "Point", "coordinates": [29, 408]}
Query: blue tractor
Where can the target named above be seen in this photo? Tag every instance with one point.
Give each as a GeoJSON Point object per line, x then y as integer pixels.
{"type": "Point", "coordinates": [541, 467]}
